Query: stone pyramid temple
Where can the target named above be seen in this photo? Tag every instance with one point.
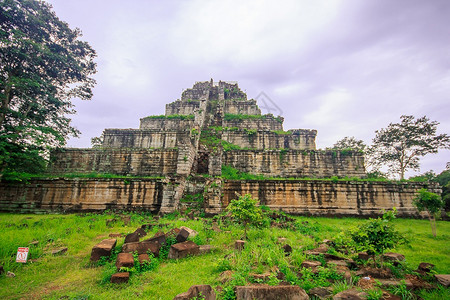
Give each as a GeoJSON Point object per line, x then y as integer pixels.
{"type": "Point", "coordinates": [187, 156]}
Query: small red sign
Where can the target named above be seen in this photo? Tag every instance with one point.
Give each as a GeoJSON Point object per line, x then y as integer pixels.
{"type": "Point", "coordinates": [22, 255]}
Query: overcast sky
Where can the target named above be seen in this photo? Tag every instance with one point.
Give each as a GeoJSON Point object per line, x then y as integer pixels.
{"type": "Point", "coordinates": [343, 67]}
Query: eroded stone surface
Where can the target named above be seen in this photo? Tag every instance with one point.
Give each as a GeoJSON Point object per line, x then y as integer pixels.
{"type": "Point", "coordinates": [181, 250]}
{"type": "Point", "coordinates": [103, 248]}
{"type": "Point", "coordinates": [205, 292]}
{"type": "Point", "coordinates": [142, 247]}
{"type": "Point", "coordinates": [124, 260]}
{"type": "Point", "coordinates": [120, 277]}
{"type": "Point", "coordinates": [266, 292]}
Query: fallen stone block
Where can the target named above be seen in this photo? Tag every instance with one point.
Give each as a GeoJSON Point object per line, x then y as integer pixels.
{"type": "Point", "coordinates": [205, 249]}
{"type": "Point", "coordinates": [239, 245]}
{"type": "Point", "coordinates": [124, 260]}
{"type": "Point", "coordinates": [34, 243]}
{"type": "Point", "coordinates": [120, 277]}
{"type": "Point", "coordinates": [443, 279]}
{"type": "Point", "coordinates": [140, 232]}
{"type": "Point", "coordinates": [192, 232]}
{"type": "Point", "coordinates": [159, 237]}
{"type": "Point", "coordinates": [393, 256]}
{"type": "Point", "coordinates": [320, 292]}
{"type": "Point", "coordinates": [59, 251]}
{"type": "Point", "coordinates": [10, 274]}
{"type": "Point", "coordinates": [425, 267]}
{"type": "Point", "coordinates": [387, 283]}
{"type": "Point", "coordinates": [363, 256]}
{"type": "Point", "coordinates": [142, 247]}
{"type": "Point", "coordinates": [267, 292]}
{"type": "Point", "coordinates": [197, 292]}
{"type": "Point", "coordinates": [182, 250]}
{"type": "Point", "coordinates": [352, 294]}
{"type": "Point", "coordinates": [173, 233]}
{"type": "Point", "coordinates": [287, 249]}
{"type": "Point", "coordinates": [143, 258]}
{"type": "Point", "coordinates": [115, 235]}
{"type": "Point", "coordinates": [182, 235]}
{"type": "Point", "coordinates": [131, 238]}
{"type": "Point", "coordinates": [310, 264]}
{"type": "Point", "coordinates": [104, 248]}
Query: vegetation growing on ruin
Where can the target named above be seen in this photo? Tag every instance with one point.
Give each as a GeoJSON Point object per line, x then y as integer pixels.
{"type": "Point", "coordinates": [171, 117]}
{"type": "Point", "coordinates": [72, 276]}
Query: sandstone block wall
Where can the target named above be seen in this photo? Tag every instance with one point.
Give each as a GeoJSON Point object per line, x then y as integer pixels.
{"type": "Point", "coordinates": [135, 162]}
{"type": "Point", "coordinates": [294, 163]}
{"type": "Point", "coordinates": [165, 124]}
{"type": "Point", "coordinates": [320, 198]}
{"type": "Point", "coordinates": [242, 107]}
{"type": "Point", "coordinates": [268, 122]}
{"type": "Point", "coordinates": [326, 198]}
{"type": "Point", "coordinates": [81, 195]}
{"type": "Point", "coordinates": [296, 139]}
{"type": "Point", "coordinates": [149, 138]}
{"type": "Point", "coordinates": [182, 107]}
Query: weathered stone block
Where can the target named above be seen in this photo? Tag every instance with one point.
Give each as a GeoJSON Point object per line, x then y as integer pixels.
{"type": "Point", "coordinates": [142, 247]}
{"type": "Point", "coordinates": [159, 237]}
{"type": "Point", "coordinates": [310, 264]}
{"type": "Point", "coordinates": [131, 238]}
{"type": "Point", "coordinates": [239, 245]}
{"type": "Point", "coordinates": [182, 250]}
{"type": "Point", "coordinates": [353, 294]}
{"type": "Point", "coordinates": [182, 235]}
{"type": "Point", "coordinates": [266, 292]}
{"type": "Point", "coordinates": [120, 277]}
{"type": "Point", "coordinates": [197, 291]}
{"type": "Point", "coordinates": [140, 232]}
{"type": "Point", "coordinates": [124, 260]}
{"type": "Point", "coordinates": [443, 279]}
{"type": "Point", "coordinates": [103, 248]}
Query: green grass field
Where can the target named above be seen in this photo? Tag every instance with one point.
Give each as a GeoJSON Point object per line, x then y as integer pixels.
{"type": "Point", "coordinates": [71, 276]}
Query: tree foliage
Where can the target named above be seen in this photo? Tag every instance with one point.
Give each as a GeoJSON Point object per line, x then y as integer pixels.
{"type": "Point", "coordinates": [429, 202]}
{"type": "Point", "coordinates": [349, 143]}
{"type": "Point", "coordinates": [400, 145]}
{"type": "Point", "coordinates": [43, 65]}
{"type": "Point", "coordinates": [377, 235]}
{"type": "Point", "coordinates": [245, 210]}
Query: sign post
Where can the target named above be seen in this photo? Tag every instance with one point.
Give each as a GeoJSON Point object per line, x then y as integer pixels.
{"type": "Point", "coordinates": [22, 254]}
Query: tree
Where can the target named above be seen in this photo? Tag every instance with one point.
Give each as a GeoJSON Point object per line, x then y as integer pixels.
{"type": "Point", "coordinates": [429, 202]}
{"type": "Point", "coordinates": [245, 211]}
{"type": "Point", "coordinates": [349, 143]}
{"type": "Point", "coordinates": [43, 65]}
{"type": "Point", "coordinates": [377, 235]}
{"type": "Point", "coordinates": [400, 145]}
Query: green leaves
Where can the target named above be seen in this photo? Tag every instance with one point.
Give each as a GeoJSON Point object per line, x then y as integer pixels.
{"type": "Point", "coordinates": [42, 66]}
{"type": "Point", "coordinates": [400, 145]}
{"type": "Point", "coordinates": [377, 235]}
{"type": "Point", "coordinates": [245, 211]}
{"type": "Point", "coordinates": [428, 201]}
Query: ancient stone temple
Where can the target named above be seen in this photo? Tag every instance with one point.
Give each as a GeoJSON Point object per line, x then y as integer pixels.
{"type": "Point", "coordinates": [181, 155]}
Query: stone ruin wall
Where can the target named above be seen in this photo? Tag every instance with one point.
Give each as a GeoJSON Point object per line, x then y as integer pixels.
{"type": "Point", "coordinates": [295, 163]}
{"type": "Point", "coordinates": [149, 138]}
{"type": "Point", "coordinates": [236, 107]}
{"type": "Point", "coordinates": [165, 124]}
{"type": "Point", "coordinates": [296, 139]}
{"type": "Point", "coordinates": [134, 162]}
{"type": "Point", "coordinates": [324, 198]}
{"type": "Point", "coordinates": [267, 123]}
{"type": "Point", "coordinates": [171, 147]}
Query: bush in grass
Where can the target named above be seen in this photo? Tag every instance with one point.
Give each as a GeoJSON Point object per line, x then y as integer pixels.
{"type": "Point", "coordinates": [377, 235]}
{"type": "Point", "coordinates": [245, 211]}
{"type": "Point", "coordinates": [431, 203]}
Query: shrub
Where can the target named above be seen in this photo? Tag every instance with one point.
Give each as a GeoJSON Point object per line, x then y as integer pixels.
{"type": "Point", "coordinates": [377, 235]}
{"type": "Point", "coordinates": [245, 211]}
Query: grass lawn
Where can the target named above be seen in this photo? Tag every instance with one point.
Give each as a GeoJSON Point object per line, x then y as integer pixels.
{"type": "Point", "coordinates": [72, 276]}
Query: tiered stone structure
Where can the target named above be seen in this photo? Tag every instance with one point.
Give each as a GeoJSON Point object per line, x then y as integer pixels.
{"type": "Point", "coordinates": [213, 125]}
